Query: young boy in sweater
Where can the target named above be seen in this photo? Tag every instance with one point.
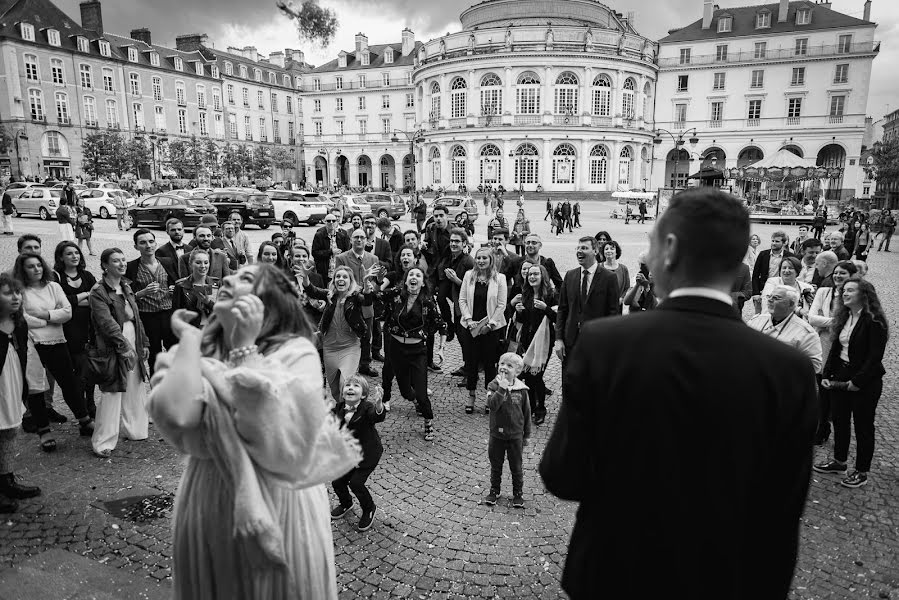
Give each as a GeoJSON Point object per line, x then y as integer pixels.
{"type": "Point", "coordinates": [510, 427]}
{"type": "Point", "coordinates": [359, 416]}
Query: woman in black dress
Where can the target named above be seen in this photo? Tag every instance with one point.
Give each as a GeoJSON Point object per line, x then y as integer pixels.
{"type": "Point", "coordinates": [76, 281]}
{"type": "Point", "coordinates": [537, 335]}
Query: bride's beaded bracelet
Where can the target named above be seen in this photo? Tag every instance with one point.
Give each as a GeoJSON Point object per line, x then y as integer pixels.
{"type": "Point", "coordinates": [239, 355]}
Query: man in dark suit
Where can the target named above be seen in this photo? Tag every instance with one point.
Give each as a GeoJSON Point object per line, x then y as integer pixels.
{"type": "Point", "coordinates": [768, 264]}
{"type": "Point", "coordinates": [153, 279]}
{"type": "Point", "coordinates": [381, 249]}
{"type": "Point", "coordinates": [588, 292]}
{"type": "Point", "coordinates": [741, 289]}
{"type": "Point", "coordinates": [391, 233]}
{"type": "Point", "coordinates": [175, 247]}
{"type": "Point", "coordinates": [226, 244]}
{"type": "Point", "coordinates": [218, 261]}
{"type": "Point", "coordinates": [532, 246]}
{"type": "Point", "coordinates": [688, 381]}
{"type": "Point", "coordinates": [327, 243]}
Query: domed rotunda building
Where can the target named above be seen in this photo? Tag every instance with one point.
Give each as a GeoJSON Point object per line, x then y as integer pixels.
{"type": "Point", "coordinates": [555, 93]}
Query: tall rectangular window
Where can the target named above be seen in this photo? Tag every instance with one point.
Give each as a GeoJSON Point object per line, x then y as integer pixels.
{"type": "Point", "coordinates": [685, 55]}
{"type": "Point", "coordinates": [219, 126]}
{"type": "Point", "coordinates": [794, 108]}
{"type": "Point", "coordinates": [338, 104]}
{"type": "Point", "coordinates": [204, 127]}
{"type": "Point", "coordinates": [31, 73]}
{"type": "Point", "coordinates": [276, 131]}
{"type": "Point", "coordinates": [157, 89]}
{"type": "Point", "coordinates": [90, 111]}
{"type": "Point", "coordinates": [361, 102]}
{"type": "Point", "coordinates": [841, 74]}
{"type": "Point", "coordinates": [58, 72]}
{"type": "Point", "coordinates": [134, 84]}
{"type": "Point", "coordinates": [36, 103]}
{"type": "Point", "coordinates": [837, 104]}
{"type": "Point", "coordinates": [763, 20]}
{"type": "Point", "coordinates": [180, 94]}
{"type": "Point", "coordinates": [108, 81]}
{"type": "Point", "coordinates": [263, 130]}
{"type": "Point", "coordinates": [718, 81]}
{"type": "Point", "coordinates": [801, 48]}
{"type": "Point", "coordinates": [385, 79]}
{"type": "Point", "coordinates": [721, 53]}
{"type": "Point", "coordinates": [290, 132]}
{"type": "Point", "coordinates": [758, 79]}
{"type": "Point", "coordinates": [245, 96]}
{"type": "Point", "coordinates": [363, 127]}
{"type": "Point", "coordinates": [216, 99]}
{"type": "Point", "coordinates": [87, 77]}
{"type": "Point", "coordinates": [683, 83]}
{"type": "Point", "coordinates": [318, 128]}
{"type": "Point", "coordinates": [201, 96]}
{"type": "Point", "coordinates": [274, 102]}
{"type": "Point", "coordinates": [159, 118]}
{"type": "Point", "coordinates": [112, 113]}
{"type": "Point", "coordinates": [435, 107]}
{"type": "Point", "coordinates": [761, 49]}
{"type": "Point", "coordinates": [247, 128]}
{"type": "Point", "coordinates": [717, 112]}
{"type": "Point", "coordinates": [844, 44]}
{"type": "Point", "coordinates": [798, 77]}
{"type": "Point", "coordinates": [230, 91]}
{"type": "Point", "coordinates": [338, 83]}
{"type": "Point", "coordinates": [288, 102]}
{"type": "Point", "coordinates": [62, 108]}
{"type": "Point", "coordinates": [260, 99]}
{"type": "Point", "coordinates": [385, 101]}
{"type": "Point", "coordinates": [316, 105]}
{"type": "Point", "coordinates": [232, 126]}
{"type": "Point", "coordinates": [410, 100]}
{"type": "Point", "coordinates": [385, 126]}
{"type": "Point", "coordinates": [755, 110]}
{"type": "Point", "coordinates": [680, 113]}
{"type": "Point", "coordinates": [137, 112]}
{"type": "Point", "coordinates": [182, 121]}
{"type": "Point", "coordinates": [527, 100]}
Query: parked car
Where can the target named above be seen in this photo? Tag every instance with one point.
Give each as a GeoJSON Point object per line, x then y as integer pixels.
{"type": "Point", "coordinates": [79, 187]}
{"type": "Point", "coordinates": [254, 206]}
{"type": "Point", "coordinates": [299, 207]}
{"type": "Point", "coordinates": [16, 188]}
{"type": "Point", "coordinates": [37, 201]}
{"type": "Point", "coordinates": [385, 204]}
{"type": "Point", "coordinates": [108, 185]}
{"type": "Point", "coordinates": [156, 210]}
{"type": "Point", "coordinates": [184, 193]}
{"type": "Point", "coordinates": [101, 201]}
{"type": "Point", "coordinates": [352, 204]}
{"type": "Point", "coordinates": [456, 204]}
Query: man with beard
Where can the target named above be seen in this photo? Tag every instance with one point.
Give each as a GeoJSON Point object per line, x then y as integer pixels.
{"type": "Point", "coordinates": [767, 265]}
{"type": "Point", "coordinates": [656, 382]}
{"type": "Point", "coordinates": [218, 261]}
{"type": "Point", "coordinates": [588, 292]}
{"type": "Point", "coordinates": [506, 263]}
{"type": "Point", "coordinates": [327, 243]}
{"type": "Point", "coordinates": [809, 251]}
{"type": "Point", "coordinates": [532, 246]}
{"type": "Point", "coordinates": [436, 249]}
{"type": "Point", "coordinates": [175, 248]}
{"type": "Point", "coordinates": [240, 238]}
{"type": "Point", "coordinates": [412, 239]}
{"type": "Point", "coordinates": [460, 263]}
{"type": "Point", "coordinates": [359, 261]}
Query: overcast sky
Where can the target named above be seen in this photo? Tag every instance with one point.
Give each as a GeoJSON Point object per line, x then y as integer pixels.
{"type": "Point", "coordinates": [259, 23]}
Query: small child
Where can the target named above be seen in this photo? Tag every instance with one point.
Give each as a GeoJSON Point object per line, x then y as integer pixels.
{"type": "Point", "coordinates": [510, 427]}
{"type": "Point", "coordinates": [359, 416]}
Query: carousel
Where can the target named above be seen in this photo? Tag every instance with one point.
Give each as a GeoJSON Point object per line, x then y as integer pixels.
{"type": "Point", "coordinates": [783, 188]}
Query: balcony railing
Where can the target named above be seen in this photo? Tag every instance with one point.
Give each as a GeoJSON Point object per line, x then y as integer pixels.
{"type": "Point", "coordinates": [680, 124]}
{"type": "Point", "coordinates": [835, 119]}
{"type": "Point", "coordinates": [753, 122]}
{"type": "Point", "coordinates": [774, 54]}
{"type": "Point", "coordinates": [457, 123]}
{"type": "Point", "coordinates": [715, 124]}
{"type": "Point", "coordinates": [528, 120]}
{"type": "Point", "coordinates": [354, 85]}
{"type": "Point", "coordinates": [603, 121]}
{"type": "Point", "coordinates": [768, 123]}
{"type": "Point", "coordinates": [793, 121]}
{"type": "Point", "coordinates": [566, 120]}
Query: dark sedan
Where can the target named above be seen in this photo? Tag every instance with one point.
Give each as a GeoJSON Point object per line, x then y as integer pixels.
{"type": "Point", "coordinates": [254, 206]}
{"type": "Point", "coordinates": [156, 210]}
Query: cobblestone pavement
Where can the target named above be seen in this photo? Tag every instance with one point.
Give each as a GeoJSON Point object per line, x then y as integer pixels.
{"type": "Point", "coordinates": [432, 538]}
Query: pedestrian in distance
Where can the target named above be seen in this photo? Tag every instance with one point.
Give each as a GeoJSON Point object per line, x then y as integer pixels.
{"type": "Point", "coordinates": [510, 427]}
{"type": "Point", "coordinates": [65, 220]}
{"type": "Point", "coordinates": [576, 213]}
{"type": "Point", "coordinates": [549, 210]}
{"type": "Point", "coordinates": [626, 396]}
{"type": "Point", "coordinates": [6, 212]}
{"type": "Point", "coordinates": [359, 412]}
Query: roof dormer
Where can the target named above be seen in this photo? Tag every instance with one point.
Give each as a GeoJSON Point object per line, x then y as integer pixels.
{"type": "Point", "coordinates": [53, 37]}
{"type": "Point", "coordinates": [725, 23]}
{"type": "Point", "coordinates": [83, 44]}
{"type": "Point", "coordinates": [763, 19]}
{"type": "Point", "coordinates": [366, 57]}
{"type": "Point", "coordinates": [341, 59]}
{"type": "Point", "coordinates": [388, 55]}
{"type": "Point", "coordinates": [803, 15]}
{"type": "Point", "coordinates": [26, 30]}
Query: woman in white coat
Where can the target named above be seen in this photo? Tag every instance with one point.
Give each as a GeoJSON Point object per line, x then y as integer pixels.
{"type": "Point", "coordinates": [482, 302]}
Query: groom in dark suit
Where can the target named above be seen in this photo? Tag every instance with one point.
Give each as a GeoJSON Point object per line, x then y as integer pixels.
{"type": "Point", "coordinates": [588, 292]}
{"type": "Point", "coordinates": [685, 436]}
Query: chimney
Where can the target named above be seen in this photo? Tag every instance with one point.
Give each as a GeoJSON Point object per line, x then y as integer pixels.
{"type": "Point", "coordinates": [825, 4]}
{"type": "Point", "coordinates": [92, 16]}
{"type": "Point", "coordinates": [782, 11]}
{"type": "Point", "coordinates": [233, 50]}
{"type": "Point", "coordinates": [141, 35]}
{"type": "Point", "coordinates": [867, 15]}
{"type": "Point", "coordinates": [190, 42]}
{"type": "Point", "coordinates": [276, 58]}
{"type": "Point", "coordinates": [361, 42]}
{"type": "Point", "coordinates": [707, 10]}
{"type": "Point", "coordinates": [251, 53]}
{"type": "Point", "coordinates": [296, 56]}
{"type": "Point", "coordinates": [408, 42]}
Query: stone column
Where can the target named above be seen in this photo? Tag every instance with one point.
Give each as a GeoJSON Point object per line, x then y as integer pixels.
{"type": "Point", "coordinates": [586, 93]}
{"type": "Point", "coordinates": [546, 178]}
{"type": "Point", "coordinates": [474, 108]}
{"type": "Point", "coordinates": [508, 105]}
{"type": "Point", "coordinates": [548, 84]}
{"type": "Point", "coordinates": [616, 98]}
{"type": "Point", "coordinates": [354, 170]}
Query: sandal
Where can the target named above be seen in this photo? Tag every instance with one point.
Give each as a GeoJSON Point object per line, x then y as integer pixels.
{"type": "Point", "coordinates": [48, 444]}
{"type": "Point", "coordinates": [469, 409]}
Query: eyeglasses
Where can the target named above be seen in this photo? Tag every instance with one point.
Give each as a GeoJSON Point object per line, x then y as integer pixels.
{"type": "Point", "coordinates": [330, 220]}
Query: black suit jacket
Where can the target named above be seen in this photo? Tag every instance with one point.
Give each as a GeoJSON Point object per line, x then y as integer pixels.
{"type": "Point", "coordinates": [686, 380]}
{"type": "Point", "coordinates": [362, 426]}
{"type": "Point", "coordinates": [381, 249]}
{"type": "Point", "coordinates": [230, 251]}
{"type": "Point", "coordinates": [741, 290]}
{"type": "Point", "coordinates": [602, 301]}
{"type": "Point", "coordinates": [167, 250]}
{"type": "Point", "coordinates": [760, 270]}
{"type": "Point", "coordinates": [321, 249]}
{"type": "Point", "coordinates": [168, 265]}
{"type": "Point", "coordinates": [867, 344]}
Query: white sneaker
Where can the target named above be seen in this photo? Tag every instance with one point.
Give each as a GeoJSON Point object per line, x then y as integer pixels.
{"type": "Point", "coordinates": [387, 405]}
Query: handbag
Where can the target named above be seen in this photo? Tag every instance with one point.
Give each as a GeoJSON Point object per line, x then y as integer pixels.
{"type": "Point", "coordinates": [102, 363]}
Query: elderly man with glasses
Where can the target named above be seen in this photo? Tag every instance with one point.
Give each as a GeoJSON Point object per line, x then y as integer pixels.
{"type": "Point", "coordinates": [328, 242]}
{"type": "Point", "coordinates": [783, 323]}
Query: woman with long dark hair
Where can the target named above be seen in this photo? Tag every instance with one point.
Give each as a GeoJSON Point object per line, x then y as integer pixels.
{"type": "Point", "coordinates": [410, 315]}
{"type": "Point", "coordinates": [537, 335]}
{"type": "Point", "coordinates": [13, 389]}
{"type": "Point", "coordinates": [119, 332]}
{"type": "Point", "coordinates": [197, 291]}
{"type": "Point", "coordinates": [270, 253]}
{"type": "Point", "coordinates": [854, 374]}
{"type": "Point", "coordinates": [611, 253]}
{"type": "Point", "coordinates": [482, 302]}
{"type": "Point", "coordinates": [46, 310]}
{"type": "Point", "coordinates": [76, 282]}
{"type": "Point", "coordinates": [302, 269]}
{"type": "Point", "coordinates": [84, 225]}
{"type": "Point", "coordinates": [243, 400]}
{"type": "Point", "coordinates": [342, 326]}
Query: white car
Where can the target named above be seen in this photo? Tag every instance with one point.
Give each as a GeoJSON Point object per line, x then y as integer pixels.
{"type": "Point", "coordinates": [16, 188]}
{"type": "Point", "coordinates": [103, 185]}
{"type": "Point", "coordinates": [299, 207]}
{"type": "Point", "coordinates": [39, 201]}
{"type": "Point", "coordinates": [352, 204]}
{"type": "Point", "coordinates": [100, 201]}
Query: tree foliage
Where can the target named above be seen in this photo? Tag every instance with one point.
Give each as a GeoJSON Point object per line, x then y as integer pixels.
{"type": "Point", "coordinates": [102, 154]}
{"type": "Point", "coordinates": [6, 140]}
{"type": "Point", "coordinates": [314, 23]}
{"type": "Point", "coordinates": [282, 159]}
{"type": "Point", "coordinates": [886, 163]}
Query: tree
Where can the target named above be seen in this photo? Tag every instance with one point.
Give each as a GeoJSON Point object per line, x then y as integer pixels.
{"type": "Point", "coordinates": [6, 140]}
{"type": "Point", "coordinates": [313, 23]}
{"type": "Point", "coordinates": [137, 156]}
{"type": "Point", "coordinates": [261, 166]}
{"type": "Point", "coordinates": [102, 153]}
{"type": "Point", "coordinates": [886, 164]}
{"type": "Point", "coordinates": [236, 161]}
{"type": "Point", "coordinates": [282, 159]}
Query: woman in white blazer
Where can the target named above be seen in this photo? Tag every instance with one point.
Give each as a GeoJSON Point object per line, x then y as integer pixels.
{"type": "Point", "coordinates": [482, 303]}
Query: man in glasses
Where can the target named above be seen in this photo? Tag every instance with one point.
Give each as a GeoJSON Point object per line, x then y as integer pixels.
{"type": "Point", "coordinates": [328, 242]}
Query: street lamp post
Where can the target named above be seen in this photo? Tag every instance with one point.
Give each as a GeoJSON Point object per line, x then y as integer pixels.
{"type": "Point", "coordinates": [678, 140]}
{"type": "Point", "coordinates": [412, 137]}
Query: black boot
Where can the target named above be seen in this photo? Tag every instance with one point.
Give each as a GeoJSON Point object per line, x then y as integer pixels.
{"type": "Point", "coordinates": [10, 488]}
{"type": "Point", "coordinates": [8, 505]}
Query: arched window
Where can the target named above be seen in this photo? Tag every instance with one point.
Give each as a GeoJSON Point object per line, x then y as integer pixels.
{"type": "Point", "coordinates": [627, 99]}
{"type": "Point", "coordinates": [527, 164]}
{"type": "Point", "coordinates": [491, 95]}
{"type": "Point", "coordinates": [647, 102]}
{"type": "Point", "coordinates": [527, 94]}
{"type": "Point", "coordinates": [602, 96]}
{"type": "Point", "coordinates": [435, 100]}
{"type": "Point", "coordinates": [491, 164]}
{"type": "Point", "coordinates": [57, 71]}
{"type": "Point", "coordinates": [458, 170]}
{"type": "Point", "coordinates": [566, 94]}
{"type": "Point", "coordinates": [599, 165]}
{"type": "Point", "coordinates": [624, 166]}
{"type": "Point", "coordinates": [458, 98]}
{"type": "Point", "coordinates": [435, 164]}
{"type": "Point", "coordinates": [564, 159]}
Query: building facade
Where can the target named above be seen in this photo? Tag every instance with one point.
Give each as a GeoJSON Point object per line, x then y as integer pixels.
{"type": "Point", "coordinates": [756, 79]}
{"type": "Point", "coordinates": [360, 115]}
{"type": "Point", "coordinates": [62, 80]}
{"type": "Point", "coordinates": [536, 93]}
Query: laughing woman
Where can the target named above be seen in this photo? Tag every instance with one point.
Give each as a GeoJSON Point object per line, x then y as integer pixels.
{"type": "Point", "coordinates": [196, 292]}
{"type": "Point", "coordinates": [410, 315]}
{"type": "Point", "coordinates": [243, 400]}
{"type": "Point", "coordinates": [342, 326]}
{"type": "Point", "coordinates": [537, 335]}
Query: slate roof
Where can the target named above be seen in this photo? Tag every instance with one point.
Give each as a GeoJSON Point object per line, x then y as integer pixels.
{"type": "Point", "coordinates": [376, 59]}
{"type": "Point", "coordinates": [743, 23]}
